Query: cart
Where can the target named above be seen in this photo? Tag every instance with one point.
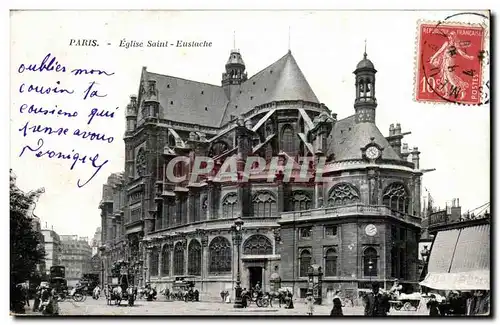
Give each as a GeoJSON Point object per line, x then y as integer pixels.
{"type": "Point", "coordinates": [184, 290]}
{"type": "Point", "coordinates": [123, 278]}
{"type": "Point", "coordinates": [409, 302]}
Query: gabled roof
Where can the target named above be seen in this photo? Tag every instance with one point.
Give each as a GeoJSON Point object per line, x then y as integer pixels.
{"type": "Point", "coordinates": [188, 101]}
{"type": "Point", "coordinates": [347, 138]}
{"type": "Point", "coordinates": [282, 80]}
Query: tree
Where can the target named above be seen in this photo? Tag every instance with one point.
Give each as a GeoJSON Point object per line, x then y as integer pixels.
{"type": "Point", "coordinates": [26, 246]}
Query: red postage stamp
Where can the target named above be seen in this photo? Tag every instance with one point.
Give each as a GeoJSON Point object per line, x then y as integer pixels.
{"type": "Point", "coordinates": [449, 63]}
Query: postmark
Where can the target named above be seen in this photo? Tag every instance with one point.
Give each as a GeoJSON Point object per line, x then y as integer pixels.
{"type": "Point", "coordinates": [451, 59]}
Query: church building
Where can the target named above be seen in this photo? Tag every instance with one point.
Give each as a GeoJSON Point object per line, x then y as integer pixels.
{"type": "Point", "coordinates": [360, 225]}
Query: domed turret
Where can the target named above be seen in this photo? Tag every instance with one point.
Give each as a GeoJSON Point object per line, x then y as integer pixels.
{"type": "Point", "coordinates": [365, 63]}
{"type": "Point", "coordinates": [365, 102]}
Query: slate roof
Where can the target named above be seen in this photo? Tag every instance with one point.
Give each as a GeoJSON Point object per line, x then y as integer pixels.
{"type": "Point", "coordinates": [282, 80]}
{"type": "Point", "coordinates": [182, 100]}
{"type": "Point", "coordinates": [200, 103]}
{"type": "Point", "coordinates": [347, 138]}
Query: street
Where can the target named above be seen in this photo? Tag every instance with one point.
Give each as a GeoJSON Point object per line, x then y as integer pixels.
{"type": "Point", "coordinates": [162, 307]}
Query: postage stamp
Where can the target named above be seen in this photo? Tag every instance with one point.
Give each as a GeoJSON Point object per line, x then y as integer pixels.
{"type": "Point", "coordinates": [450, 59]}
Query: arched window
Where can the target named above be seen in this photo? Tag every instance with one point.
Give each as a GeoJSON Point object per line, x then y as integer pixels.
{"type": "Point", "coordinates": [229, 205]}
{"type": "Point", "coordinates": [370, 262]}
{"type": "Point", "coordinates": [264, 204]}
{"type": "Point", "coordinates": [331, 262]}
{"type": "Point", "coordinates": [194, 258]}
{"type": "Point", "coordinates": [342, 194]}
{"type": "Point", "coordinates": [304, 262]}
{"type": "Point", "coordinates": [301, 201]}
{"type": "Point", "coordinates": [396, 197]}
{"type": "Point", "coordinates": [178, 259]}
{"type": "Point", "coordinates": [258, 245]}
{"type": "Point", "coordinates": [165, 261]}
{"type": "Point", "coordinates": [288, 140]}
{"type": "Point", "coordinates": [153, 261]}
{"type": "Point", "coordinates": [220, 255]}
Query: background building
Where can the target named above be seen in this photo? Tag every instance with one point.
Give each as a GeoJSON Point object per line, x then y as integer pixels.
{"type": "Point", "coordinates": [53, 248]}
{"type": "Point", "coordinates": [96, 241]}
{"type": "Point", "coordinates": [362, 226]}
{"type": "Point", "coordinates": [76, 257]}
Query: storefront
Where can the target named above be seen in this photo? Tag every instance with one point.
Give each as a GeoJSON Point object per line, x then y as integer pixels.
{"type": "Point", "coordinates": [460, 261]}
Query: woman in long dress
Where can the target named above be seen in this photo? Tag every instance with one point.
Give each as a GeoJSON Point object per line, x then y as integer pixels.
{"type": "Point", "coordinates": [448, 80]}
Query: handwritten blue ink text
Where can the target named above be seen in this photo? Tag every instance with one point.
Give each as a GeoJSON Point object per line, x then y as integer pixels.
{"type": "Point", "coordinates": [31, 109]}
{"type": "Point", "coordinates": [43, 129]}
{"type": "Point", "coordinates": [90, 92]}
{"type": "Point", "coordinates": [78, 72]}
{"type": "Point", "coordinates": [45, 90]}
{"type": "Point", "coordinates": [103, 113]}
{"type": "Point", "coordinates": [46, 65]}
{"type": "Point", "coordinates": [75, 156]}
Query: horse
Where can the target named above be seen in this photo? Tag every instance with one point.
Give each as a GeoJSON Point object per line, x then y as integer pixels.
{"type": "Point", "coordinates": [276, 295]}
{"type": "Point", "coordinates": [166, 292]}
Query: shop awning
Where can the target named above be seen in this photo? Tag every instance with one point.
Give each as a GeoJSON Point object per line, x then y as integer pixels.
{"type": "Point", "coordinates": [473, 280]}
{"type": "Point", "coordinates": [460, 260]}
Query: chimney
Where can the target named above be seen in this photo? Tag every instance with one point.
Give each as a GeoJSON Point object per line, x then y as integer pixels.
{"type": "Point", "coordinates": [397, 130]}
{"type": "Point", "coordinates": [415, 157]}
{"type": "Point", "coordinates": [456, 211]}
{"type": "Point", "coordinates": [391, 129]}
{"type": "Point", "coordinates": [405, 152]}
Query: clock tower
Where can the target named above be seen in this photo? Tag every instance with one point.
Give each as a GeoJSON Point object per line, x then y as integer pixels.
{"type": "Point", "coordinates": [365, 102]}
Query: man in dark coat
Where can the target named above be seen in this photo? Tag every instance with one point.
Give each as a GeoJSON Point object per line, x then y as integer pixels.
{"type": "Point", "coordinates": [377, 304]}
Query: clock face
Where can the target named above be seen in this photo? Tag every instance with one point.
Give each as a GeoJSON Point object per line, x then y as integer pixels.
{"type": "Point", "coordinates": [371, 230]}
{"type": "Point", "coordinates": [372, 153]}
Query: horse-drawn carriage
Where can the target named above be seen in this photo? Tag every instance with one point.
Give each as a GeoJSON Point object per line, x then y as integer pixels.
{"type": "Point", "coordinates": [122, 285]}
{"type": "Point", "coordinates": [119, 290]}
{"type": "Point", "coordinates": [183, 290]}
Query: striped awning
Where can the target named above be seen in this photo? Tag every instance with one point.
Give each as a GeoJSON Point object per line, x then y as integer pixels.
{"type": "Point", "coordinates": [460, 260]}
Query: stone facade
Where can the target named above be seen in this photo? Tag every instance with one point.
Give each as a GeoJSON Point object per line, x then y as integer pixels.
{"type": "Point", "coordinates": [366, 210]}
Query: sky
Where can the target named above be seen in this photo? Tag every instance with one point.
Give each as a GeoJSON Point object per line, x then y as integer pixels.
{"type": "Point", "coordinates": [327, 45]}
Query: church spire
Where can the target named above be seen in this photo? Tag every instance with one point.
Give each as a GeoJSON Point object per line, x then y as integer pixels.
{"type": "Point", "coordinates": [365, 102]}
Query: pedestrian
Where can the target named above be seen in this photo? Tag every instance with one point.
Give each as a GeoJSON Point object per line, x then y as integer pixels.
{"type": "Point", "coordinates": [38, 294]}
{"type": "Point", "coordinates": [432, 305]}
{"type": "Point", "coordinates": [337, 307]}
{"type": "Point", "coordinates": [310, 303]}
{"type": "Point", "coordinates": [377, 304]}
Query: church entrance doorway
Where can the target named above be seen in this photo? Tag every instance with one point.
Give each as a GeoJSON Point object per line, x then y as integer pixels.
{"type": "Point", "coordinates": [255, 275]}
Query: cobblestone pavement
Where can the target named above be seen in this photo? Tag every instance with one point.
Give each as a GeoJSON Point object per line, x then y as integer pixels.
{"type": "Point", "coordinates": [162, 307]}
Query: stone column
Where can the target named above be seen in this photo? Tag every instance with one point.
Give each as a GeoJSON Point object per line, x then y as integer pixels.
{"type": "Point", "coordinates": [147, 264]}
{"type": "Point", "coordinates": [204, 259]}
{"type": "Point", "coordinates": [178, 216]}
{"type": "Point", "coordinates": [373, 182]}
{"type": "Point", "coordinates": [190, 202]}
{"type": "Point", "coordinates": [186, 255]}
{"type": "Point", "coordinates": [318, 185]}
{"type": "Point", "coordinates": [418, 189]}
{"type": "Point", "coordinates": [210, 199]}
{"type": "Point", "coordinates": [160, 260]}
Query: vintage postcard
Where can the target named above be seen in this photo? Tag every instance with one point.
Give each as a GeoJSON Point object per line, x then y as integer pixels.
{"type": "Point", "coordinates": [168, 163]}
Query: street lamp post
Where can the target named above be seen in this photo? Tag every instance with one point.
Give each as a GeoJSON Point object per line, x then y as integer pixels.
{"type": "Point", "coordinates": [238, 224]}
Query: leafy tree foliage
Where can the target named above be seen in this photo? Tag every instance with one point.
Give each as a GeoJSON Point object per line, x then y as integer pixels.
{"type": "Point", "coordinates": [26, 244]}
